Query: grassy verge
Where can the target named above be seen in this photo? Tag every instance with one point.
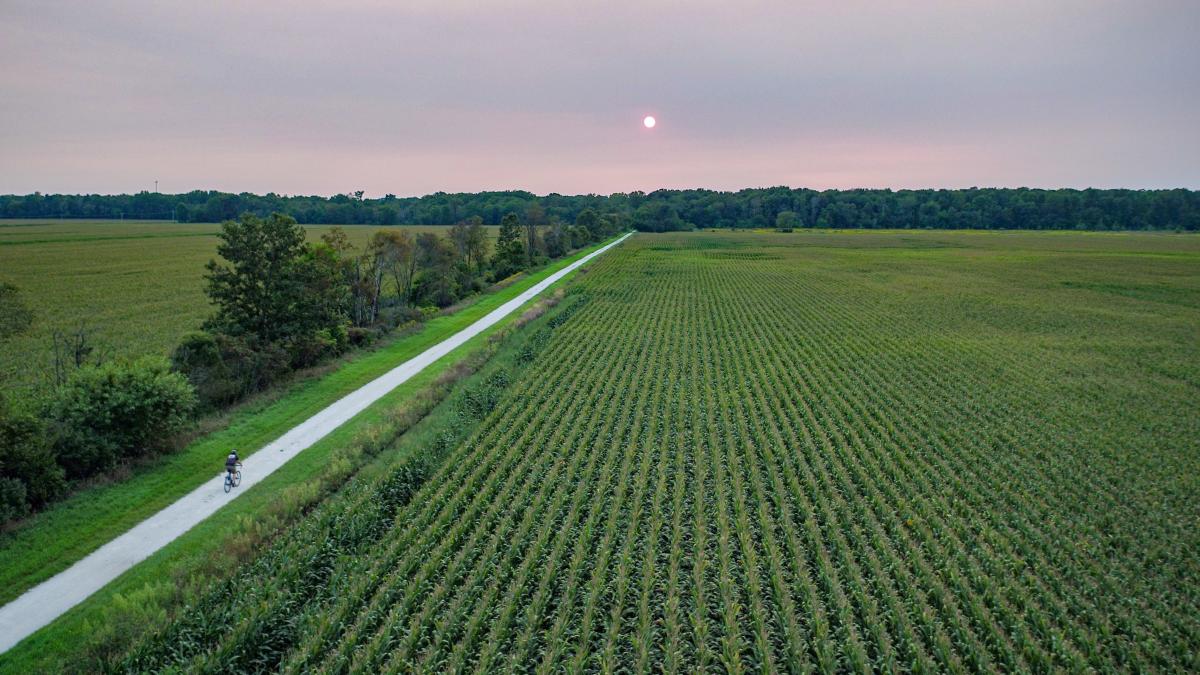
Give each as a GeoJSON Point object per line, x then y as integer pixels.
{"type": "Point", "coordinates": [54, 539]}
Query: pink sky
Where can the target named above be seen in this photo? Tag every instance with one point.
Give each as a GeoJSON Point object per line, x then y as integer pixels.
{"type": "Point", "coordinates": [412, 98]}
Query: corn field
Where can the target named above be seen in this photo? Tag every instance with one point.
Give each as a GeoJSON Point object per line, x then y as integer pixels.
{"type": "Point", "coordinates": [775, 453]}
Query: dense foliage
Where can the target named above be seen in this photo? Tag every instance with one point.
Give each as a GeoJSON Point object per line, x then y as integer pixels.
{"type": "Point", "coordinates": [103, 415]}
{"type": "Point", "coordinates": [933, 452]}
{"type": "Point", "coordinates": [30, 475]}
{"type": "Point", "coordinates": [979, 208]}
{"type": "Point", "coordinates": [269, 284]}
{"type": "Point", "coordinates": [118, 411]}
{"type": "Point", "coordinates": [283, 303]}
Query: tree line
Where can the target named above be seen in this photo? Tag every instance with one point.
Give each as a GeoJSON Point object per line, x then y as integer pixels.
{"type": "Point", "coordinates": [974, 208]}
{"type": "Point", "coordinates": [281, 304]}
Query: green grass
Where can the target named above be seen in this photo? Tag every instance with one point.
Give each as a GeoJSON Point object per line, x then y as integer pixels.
{"type": "Point", "coordinates": [139, 285]}
{"type": "Point", "coordinates": [947, 452]}
{"type": "Point", "coordinates": [50, 541]}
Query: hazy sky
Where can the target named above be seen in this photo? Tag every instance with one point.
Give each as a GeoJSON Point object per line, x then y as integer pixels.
{"type": "Point", "coordinates": [305, 97]}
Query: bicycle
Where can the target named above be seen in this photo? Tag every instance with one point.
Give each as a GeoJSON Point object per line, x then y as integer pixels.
{"type": "Point", "coordinates": [233, 478]}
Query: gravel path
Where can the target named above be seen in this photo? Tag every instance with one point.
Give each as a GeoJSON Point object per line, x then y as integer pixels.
{"type": "Point", "coordinates": [47, 601]}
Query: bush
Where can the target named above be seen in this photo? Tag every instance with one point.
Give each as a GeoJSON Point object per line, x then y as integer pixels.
{"type": "Point", "coordinates": [392, 316]}
{"type": "Point", "coordinates": [254, 367]}
{"type": "Point", "coordinates": [361, 337]}
{"type": "Point", "coordinates": [118, 411]}
{"type": "Point", "coordinates": [13, 503]}
{"type": "Point", "coordinates": [224, 368]}
{"type": "Point", "coordinates": [29, 475]}
{"type": "Point", "coordinates": [198, 357]}
{"type": "Point", "coordinates": [309, 350]}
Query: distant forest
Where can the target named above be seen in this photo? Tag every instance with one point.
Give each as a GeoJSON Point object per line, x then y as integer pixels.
{"type": "Point", "coordinates": [661, 210]}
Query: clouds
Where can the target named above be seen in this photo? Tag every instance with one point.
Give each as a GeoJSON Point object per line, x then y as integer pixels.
{"type": "Point", "coordinates": [327, 97]}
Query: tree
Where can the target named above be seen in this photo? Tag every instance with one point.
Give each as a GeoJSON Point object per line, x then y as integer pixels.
{"type": "Point", "coordinates": [201, 360]}
{"type": "Point", "coordinates": [984, 208]}
{"type": "Point", "coordinates": [579, 236]}
{"type": "Point", "coordinates": [535, 217]}
{"type": "Point", "coordinates": [477, 243]}
{"type": "Point", "coordinates": [375, 263]}
{"type": "Point", "coordinates": [557, 239]}
{"type": "Point", "coordinates": [330, 284]}
{"type": "Point", "coordinates": [470, 240]}
{"type": "Point", "coordinates": [590, 220]}
{"type": "Point", "coordinates": [399, 260]}
{"type": "Point", "coordinates": [787, 221]}
{"type": "Point", "coordinates": [458, 239]}
{"type": "Point", "coordinates": [657, 216]}
{"type": "Point", "coordinates": [337, 240]}
{"type": "Point", "coordinates": [435, 259]}
{"type": "Point", "coordinates": [74, 349]}
{"type": "Point", "coordinates": [612, 223]}
{"type": "Point", "coordinates": [271, 285]}
{"type": "Point", "coordinates": [510, 229]}
{"type": "Point", "coordinates": [359, 294]}
{"type": "Point", "coordinates": [510, 253]}
{"type": "Point", "coordinates": [388, 215]}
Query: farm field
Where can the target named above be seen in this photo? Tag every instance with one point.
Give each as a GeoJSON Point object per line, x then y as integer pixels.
{"type": "Point", "coordinates": [139, 285]}
{"type": "Point", "coordinates": [783, 452]}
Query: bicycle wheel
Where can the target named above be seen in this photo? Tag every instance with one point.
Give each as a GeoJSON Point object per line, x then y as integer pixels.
{"type": "Point", "coordinates": [237, 478]}
{"type": "Point", "coordinates": [228, 483]}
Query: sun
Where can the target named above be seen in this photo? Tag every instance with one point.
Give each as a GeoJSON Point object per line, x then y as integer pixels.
{"type": "Point", "coordinates": [649, 122]}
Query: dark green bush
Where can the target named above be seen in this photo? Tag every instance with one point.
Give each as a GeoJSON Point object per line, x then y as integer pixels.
{"type": "Point", "coordinates": [29, 475]}
{"type": "Point", "coordinates": [253, 367]}
{"type": "Point", "coordinates": [224, 368]}
{"type": "Point", "coordinates": [200, 360]}
{"type": "Point", "coordinates": [13, 502]}
{"type": "Point", "coordinates": [118, 411]}
{"type": "Point", "coordinates": [309, 350]}
{"type": "Point", "coordinates": [361, 336]}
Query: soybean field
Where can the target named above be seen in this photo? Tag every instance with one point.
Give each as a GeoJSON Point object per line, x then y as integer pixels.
{"type": "Point", "coordinates": [782, 453]}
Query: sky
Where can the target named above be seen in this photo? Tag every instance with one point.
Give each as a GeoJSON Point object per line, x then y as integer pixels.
{"type": "Point", "coordinates": [409, 98]}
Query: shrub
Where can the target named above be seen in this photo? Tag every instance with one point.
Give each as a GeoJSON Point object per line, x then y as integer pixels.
{"type": "Point", "coordinates": [309, 350]}
{"type": "Point", "coordinates": [13, 503]}
{"type": "Point", "coordinates": [253, 367]}
{"type": "Point", "coordinates": [226, 368]}
{"type": "Point", "coordinates": [395, 315]}
{"type": "Point", "coordinates": [117, 411]}
{"type": "Point", "coordinates": [200, 360]}
{"type": "Point", "coordinates": [29, 475]}
{"type": "Point", "coordinates": [361, 337]}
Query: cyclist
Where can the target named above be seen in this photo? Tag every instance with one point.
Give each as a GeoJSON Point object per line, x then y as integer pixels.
{"type": "Point", "coordinates": [232, 462]}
